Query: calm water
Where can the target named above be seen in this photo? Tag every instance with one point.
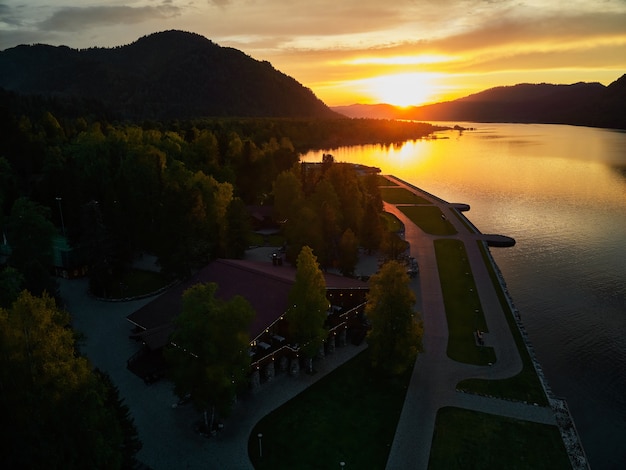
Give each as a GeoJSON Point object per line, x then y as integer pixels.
{"type": "Point", "coordinates": [560, 191]}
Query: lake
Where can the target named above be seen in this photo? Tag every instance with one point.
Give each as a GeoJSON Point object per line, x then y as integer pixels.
{"type": "Point", "coordinates": [560, 191]}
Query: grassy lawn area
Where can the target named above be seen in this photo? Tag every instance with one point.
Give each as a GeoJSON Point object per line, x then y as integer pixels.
{"type": "Point", "coordinates": [138, 282]}
{"type": "Point", "coordinates": [463, 310]}
{"type": "Point", "coordinates": [429, 219]}
{"type": "Point", "coordinates": [256, 239]}
{"type": "Point", "coordinates": [393, 224]}
{"type": "Point", "coordinates": [348, 416]}
{"type": "Point", "coordinates": [525, 386]}
{"type": "Point", "coordinates": [473, 440]}
{"type": "Point", "coordinates": [401, 196]}
{"type": "Point", "coordinates": [382, 181]}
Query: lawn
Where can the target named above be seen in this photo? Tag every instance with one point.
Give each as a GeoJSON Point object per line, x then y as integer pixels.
{"type": "Point", "coordinates": [525, 386]}
{"type": "Point", "coordinates": [472, 440]}
{"type": "Point", "coordinates": [393, 224]}
{"type": "Point", "coordinates": [401, 196]}
{"type": "Point", "coordinates": [463, 309]}
{"type": "Point", "coordinates": [382, 181]}
{"type": "Point", "coordinates": [430, 219]}
{"type": "Point", "coordinates": [348, 416]}
{"type": "Point", "coordinates": [137, 282]}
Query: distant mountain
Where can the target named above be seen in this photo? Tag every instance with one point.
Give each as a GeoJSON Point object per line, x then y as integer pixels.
{"type": "Point", "coordinates": [171, 74]}
{"type": "Point", "coordinates": [586, 104]}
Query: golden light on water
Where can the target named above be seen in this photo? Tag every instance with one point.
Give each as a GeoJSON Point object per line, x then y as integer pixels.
{"type": "Point", "coordinates": [491, 165]}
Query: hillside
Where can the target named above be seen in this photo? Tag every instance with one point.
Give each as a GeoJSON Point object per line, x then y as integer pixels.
{"type": "Point", "coordinates": [165, 75]}
{"type": "Point", "coordinates": [586, 104]}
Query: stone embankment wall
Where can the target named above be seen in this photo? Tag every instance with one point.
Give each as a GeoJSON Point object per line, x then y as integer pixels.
{"type": "Point", "coordinates": [561, 411]}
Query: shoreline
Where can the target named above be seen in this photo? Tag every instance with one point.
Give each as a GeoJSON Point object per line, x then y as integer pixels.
{"type": "Point", "coordinates": [558, 405]}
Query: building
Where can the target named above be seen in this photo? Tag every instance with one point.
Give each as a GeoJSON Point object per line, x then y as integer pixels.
{"type": "Point", "coordinates": [266, 286]}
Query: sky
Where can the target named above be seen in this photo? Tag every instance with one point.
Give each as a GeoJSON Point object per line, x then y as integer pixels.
{"type": "Point", "coordinates": [402, 52]}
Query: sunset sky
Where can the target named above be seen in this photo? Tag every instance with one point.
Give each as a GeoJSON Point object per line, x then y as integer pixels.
{"type": "Point", "coordinates": [361, 51]}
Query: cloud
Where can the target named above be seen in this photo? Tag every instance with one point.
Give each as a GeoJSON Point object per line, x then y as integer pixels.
{"type": "Point", "coordinates": [83, 18]}
{"type": "Point", "coordinates": [8, 17]}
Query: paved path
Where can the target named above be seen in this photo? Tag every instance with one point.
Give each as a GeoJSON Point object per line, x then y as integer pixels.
{"type": "Point", "coordinates": [434, 379]}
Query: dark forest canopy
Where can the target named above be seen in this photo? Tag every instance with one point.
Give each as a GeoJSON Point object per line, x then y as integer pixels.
{"type": "Point", "coordinates": [175, 189]}
{"type": "Point", "coordinates": [172, 74]}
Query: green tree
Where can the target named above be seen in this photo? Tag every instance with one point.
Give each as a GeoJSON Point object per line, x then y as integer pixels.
{"type": "Point", "coordinates": [288, 195]}
{"type": "Point", "coordinates": [55, 411]}
{"type": "Point", "coordinates": [396, 334]}
{"type": "Point", "coordinates": [11, 281]}
{"type": "Point", "coordinates": [209, 355]}
{"type": "Point", "coordinates": [348, 252]}
{"type": "Point", "coordinates": [237, 237]}
{"type": "Point", "coordinates": [30, 236]}
{"type": "Point", "coordinates": [308, 306]}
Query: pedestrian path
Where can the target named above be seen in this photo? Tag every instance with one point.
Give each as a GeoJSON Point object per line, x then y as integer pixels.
{"type": "Point", "coordinates": [434, 379]}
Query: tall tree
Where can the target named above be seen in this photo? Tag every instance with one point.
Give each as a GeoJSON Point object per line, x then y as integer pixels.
{"type": "Point", "coordinates": [348, 252]}
{"type": "Point", "coordinates": [396, 334]}
{"type": "Point", "coordinates": [209, 358]}
{"type": "Point", "coordinates": [308, 306]}
{"type": "Point", "coordinates": [54, 409]}
{"type": "Point", "coordinates": [30, 236]}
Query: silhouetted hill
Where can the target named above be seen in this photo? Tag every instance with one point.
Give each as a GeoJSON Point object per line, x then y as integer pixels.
{"type": "Point", "coordinates": [171, 74]}
{"type": "Point", "coordinates": [587, 104]}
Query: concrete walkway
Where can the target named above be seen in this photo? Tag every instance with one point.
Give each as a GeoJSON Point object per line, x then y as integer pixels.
{"type": "Point", "coordinates": [434, 379]}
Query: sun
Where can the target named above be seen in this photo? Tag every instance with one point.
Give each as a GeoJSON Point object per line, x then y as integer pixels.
{"type": "Point", "coordinates": [406, 89]}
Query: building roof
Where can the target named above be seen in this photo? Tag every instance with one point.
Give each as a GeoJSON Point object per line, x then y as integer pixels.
{"type": "Point", "coordinates": [263, 284]}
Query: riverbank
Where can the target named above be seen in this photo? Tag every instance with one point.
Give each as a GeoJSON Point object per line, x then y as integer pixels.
{"type": "Point", "coordinates": [434, 365]}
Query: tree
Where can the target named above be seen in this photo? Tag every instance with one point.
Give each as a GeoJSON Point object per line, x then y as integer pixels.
{"type": "Point", "coordinates": [348, 252]}
{"type": "Point", "coordinates": [396, 334]}
{"type": "Point", "coordinates": [55, 410]}
{"type": "Point", "coordinates": [30, 236]}
{"type": "Point", "coordinates": [237, 238]}
{"type": "Point", "coordinates": [209, 355]}
{"type": "Point", "coordinates": [308, 306]}
{"type": "Point", "coordinates": [288, 195]}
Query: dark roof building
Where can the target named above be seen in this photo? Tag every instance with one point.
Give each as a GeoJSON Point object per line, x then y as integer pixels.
{"type": "Point", "coordinates": [265, 285]}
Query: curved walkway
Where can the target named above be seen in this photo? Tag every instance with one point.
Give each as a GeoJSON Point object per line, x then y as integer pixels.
{"type": "Point", "coordinates": [434, 379]}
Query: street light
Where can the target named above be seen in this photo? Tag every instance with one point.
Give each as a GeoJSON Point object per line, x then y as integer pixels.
{"type": "Point", "coordinates": [259, 435]}
{"type": "Point", "coordinates": [61, 212]}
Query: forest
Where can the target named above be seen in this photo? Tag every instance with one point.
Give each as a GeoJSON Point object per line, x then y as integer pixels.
{"type": "Point", "coordinates": [73, 174]}
{"type": "Point", "coordinates": [176, 189]}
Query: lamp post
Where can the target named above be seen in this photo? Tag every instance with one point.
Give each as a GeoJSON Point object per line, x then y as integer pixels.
{"type": "Point", "coordinates": [260, 436]}
{"type": "Point", "coordinates": [61, 212]}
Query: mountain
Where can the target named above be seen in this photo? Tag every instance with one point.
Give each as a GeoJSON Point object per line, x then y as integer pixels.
{"type": "Point", "coordinates": [172, 74]}
{"type": "Point", "coordinates": [586, 104]}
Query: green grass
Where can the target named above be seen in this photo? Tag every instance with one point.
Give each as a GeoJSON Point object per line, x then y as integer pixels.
{"type": "Point", "coordinates": [382, 181]}
{"type": "Point", "coordinates": [257, 239]}
{"type": "Point", "coordinates": [463, 309]}
{"type": "Point", "coordinates": [525, 386]}
{"type": "Point", "coordinates": [429, 219]}
{"type": "Point", "coordinates": [474, 440]}
{"type": "Point", "coordinates": [393, 224]}
{"type": "Point", "coordinates": [401, 196]}
{"type": "Point", "coordinates": [350, 415]}
{"type": "Point", "coordinates": [137, 282]}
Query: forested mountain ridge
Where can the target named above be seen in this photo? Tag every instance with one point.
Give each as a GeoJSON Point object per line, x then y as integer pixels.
{"type": "Point", "coordinates": [167, 75]}
{"type": "Point", "coordinates": [585, 104]}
